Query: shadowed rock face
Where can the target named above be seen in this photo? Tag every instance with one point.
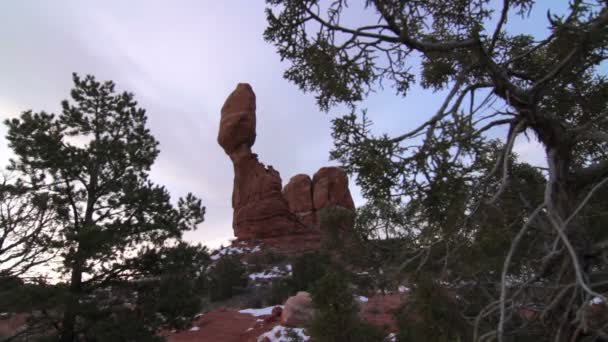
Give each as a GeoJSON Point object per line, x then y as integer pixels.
{"type": "Point", "coordinates": [262, 208]}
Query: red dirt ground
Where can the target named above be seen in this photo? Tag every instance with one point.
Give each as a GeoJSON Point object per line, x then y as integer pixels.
{"type": "Point", "coordinates": [225, 325]}
{"type": "Point", "coordinates": [228, 325]}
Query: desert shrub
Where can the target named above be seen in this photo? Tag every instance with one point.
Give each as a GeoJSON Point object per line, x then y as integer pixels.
{"type": "Point", "coordinates": [280, 290]}
{"type": "Point", "coordinates": [122, 326]}
{"type": "Point", "coordinates": [174, 300]}
{"type": "Point", "coordinates": [258, 262]}
{"type": "Point", "coordinates": [307, 269]}
{"type": "Point", "coordinates": [225, 279]}
{"type": "Point", "coordinates": [336, 318]}
{"type": "Point", "coordinates": [431, 314]}
{"type": "Point", "coordinates": [174, 283]}
{"type": "Point", "coordinates": [17, 295]}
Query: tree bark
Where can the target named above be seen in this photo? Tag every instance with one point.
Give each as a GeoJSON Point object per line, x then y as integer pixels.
{"type": "Point", "coordinates": [68, 326]}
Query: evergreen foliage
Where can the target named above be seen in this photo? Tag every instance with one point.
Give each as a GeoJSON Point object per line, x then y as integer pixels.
{"type": "Point", "coordinates": [336, 317]}
{"type": "Point", "coordinates": [432, 314]}
{"type": "Point", "coordinates": [226, 278]}
{"type": "Point", "coordinates": [92, 161]}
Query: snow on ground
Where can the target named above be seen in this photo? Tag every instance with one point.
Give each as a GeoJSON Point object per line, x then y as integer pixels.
{"type": "Point", "coordinates": [259, 312]}
{"type": "Point", "coordinates": [391, 338]}
{"type": "Point", "coordinates": [234, 250]}
{"type": "Point", "coordinates": [274, 272]}
{"type": "Point", "coordinates": [596, 301]}
{"type": "Point", "coordinates": [403, 289]}
{"type": "Point", "coordinates": [283, 334]}
{"type": "Point", "coordinates": [195, 328]}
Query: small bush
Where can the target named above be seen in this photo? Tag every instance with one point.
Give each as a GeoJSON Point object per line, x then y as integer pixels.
{"type": "Point", "coordinates": [122, 326]}
{"type": "Point", "coordinates": [259, 262]}
{"type": "Point", "coordinates": [174, 299]}
{"type": "Point", "coordinates": [175, 283]}
{"type": "Point", "coordinates": [336, 318]}
{"type": "Point", "coordinates": [226, 278]}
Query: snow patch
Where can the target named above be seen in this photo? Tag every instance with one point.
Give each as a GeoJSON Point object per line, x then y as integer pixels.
{"type": "Point", "coordinates": [596, 301]}
{"type": "Point", "coordinates": [274, 272]}
{"type": "Point", "coordinates": [195, 328]}
{"type": "Point", "coordinates": [391, 338]}
{"type": "Point", "coordinates": [259, 312]}
{"type": "Point", "coordinates": [234, 250]}
{"type": "Point", "coordinates": [283, 334]}
{"type": "Point", "coordinates": [403, 289]}
{"type": "Point", "coordinates": [362, 299]}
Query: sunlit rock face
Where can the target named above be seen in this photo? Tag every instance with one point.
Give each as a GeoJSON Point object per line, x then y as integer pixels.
{"type": "Point", "coordinates": [263, 209]}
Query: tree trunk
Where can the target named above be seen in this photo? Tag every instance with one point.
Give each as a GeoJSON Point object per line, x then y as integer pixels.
{"type": "Point", "coordinates": [561, 197]}
{"type": "Point", "coordinates": [68, 333]}
{"type": "Point", "coordinates": [68, 326]}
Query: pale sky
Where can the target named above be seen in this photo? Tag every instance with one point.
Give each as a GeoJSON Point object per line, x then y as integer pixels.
{"type": "Point", "coordinates": [181, 59]}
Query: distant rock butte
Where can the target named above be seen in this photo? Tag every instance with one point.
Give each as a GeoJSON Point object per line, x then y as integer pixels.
{"type": "Point", "coordinates": [262, 208]}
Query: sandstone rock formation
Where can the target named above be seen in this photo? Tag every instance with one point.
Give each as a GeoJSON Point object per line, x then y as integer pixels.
{"type": "Point", "coordinates": [262, 208]}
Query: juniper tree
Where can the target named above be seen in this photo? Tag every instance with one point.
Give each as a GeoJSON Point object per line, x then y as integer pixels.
{"type": "Point", "coordinates": [552, 88]}
{"type": "Point", "coordinates": [93, 160]}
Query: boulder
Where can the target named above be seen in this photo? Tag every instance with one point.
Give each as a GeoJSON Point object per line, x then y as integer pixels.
{"type": "Point", "coordinates": [330, 188]}
{"type": "Point", "coordinates": [237, 123]}
{"type": "Point", "coordinates": [380, 309]}
{"type": "Point", "coordinates": [298, 310]}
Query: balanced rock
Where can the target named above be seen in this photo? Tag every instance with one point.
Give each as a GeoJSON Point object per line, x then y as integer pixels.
{"type": "Point", "coordinates": [263, 209]}
{"type": "Point", "coordinates": [260, 210]}
{"type": "Point", "coordinates": [237, 125]}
